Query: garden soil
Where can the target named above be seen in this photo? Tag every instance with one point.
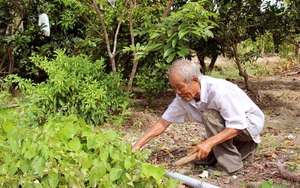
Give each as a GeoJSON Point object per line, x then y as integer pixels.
{"type": "Point", "coordinates": [278, 95]}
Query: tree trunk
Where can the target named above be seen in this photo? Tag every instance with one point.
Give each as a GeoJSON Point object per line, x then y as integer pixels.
{"type": "Point", "coordinates": [111, 53]}
{"type": "Point", "coordinates": [202, 62]}
{"type": "Point", "coordinates": [212, 63]}
{"type": "Point", "coordinates": [11, 59]}
{"type": "Point", "coordinates": [106, 37]}
{"type": "Point", "coordinates": [135, 62]}
{"type": "Point", "coordinates": [168, 7]}
{"type": "Point", "coordinates": [3, 59]}
{"type": "Point", "coordinates": [242, 71]}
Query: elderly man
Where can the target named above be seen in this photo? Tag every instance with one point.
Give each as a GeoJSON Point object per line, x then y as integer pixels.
{"type": "Point", "coordinates": [232, 120]}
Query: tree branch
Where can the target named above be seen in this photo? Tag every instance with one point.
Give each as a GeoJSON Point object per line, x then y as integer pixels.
{"type": "Point", "coordinates": [168, 7]}
{"type": "Point", "coordinates": [287, 174]}
{"type": "Point", "coordinates": [100, 17]}
{"type": "Point", "coordinates": [93, 26]}
{"type": "Point", "coordinates": [135, 61]}
{"type": "Point", "coordinates": [119, 26]}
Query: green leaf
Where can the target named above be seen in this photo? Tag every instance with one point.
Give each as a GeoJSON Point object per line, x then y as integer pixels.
{"type": "Point", "coordinates": [61, 102]}
{"type": "Point", "coordinates": [208, 33]}
{"type": "Point", "coordinates": [116, 156]}
{"type": "Point", "coordinates": [7, 126]}
{"type": "Point", "coordinates": [86, 161]}
{"type": "Point", "coordinates": [155, 46]}
{"type": "Point", "coordinates": [115, 173]}
{"type": "Point", "coordinates": [104, 155]}
{"type": "Point", "coordinates": [12, 170]}
{"type": "Point", "coordinates": [3, 169]}
{"type": "Point", "coordinates": [183, 25]}
{"type": "Point", "coordinates": [53, 179]}
{"type": "Point", "coordinates": [75, 144]}
{"type": "Point", "coordinates": [138, 46]}
{"type": "Point", "coordinates": [154, 35]}
{"type": "Point", "coordinates": [87, 132]}
{"type": "Point", "coordinates": [146, 170]}
{"type": "Point", "coordinates": [156, 172]}
{"type": "Point", "coordinates": [182, 33]}
{"type": "Point", "coordinates": [168, 52]}
{"type": "Point", "coordinates": [181, 53]}
{"type": "Point", "coordinates": [197, 33]}
{"type": "Point", "coordinates": [98, 170]}
{"type": "Point", "coordinates": [39, 165]}
{"type": "Point", "coordinates": [127, 163]}
{"type": "Point", "coordinates": [31, 151]}
{"type": "Point", "coordinates": [183, 50]}
{"type": "Point", "coordinates": [167, 46]}
{"type": "Point", "coordinates": [91, 143]}
{"type": "Point", "coordinates": [111, 134]}
{"type": "Point", "coordinates": [14, 144]}
{"type": "Point", "coordinates": [169, 33]}
{"type": "Point", "coordinates": [171, 57]}
{"type": "Point", "coordinates": [70, 129]}
{"type": "Point", "coordinates": [24, 166]}
{"type": "Point", "coordinates": [174, 42]}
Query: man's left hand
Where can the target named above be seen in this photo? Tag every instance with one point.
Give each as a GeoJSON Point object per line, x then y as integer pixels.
{"type": "Point", "coordinates": [202, 149]}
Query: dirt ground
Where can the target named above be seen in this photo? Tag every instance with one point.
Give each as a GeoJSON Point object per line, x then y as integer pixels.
{"type": "Point", "coordinates": [278, 96]}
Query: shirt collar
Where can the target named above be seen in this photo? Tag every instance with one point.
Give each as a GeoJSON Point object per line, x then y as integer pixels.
{"type": "Point", "coordinates": [203, 95]}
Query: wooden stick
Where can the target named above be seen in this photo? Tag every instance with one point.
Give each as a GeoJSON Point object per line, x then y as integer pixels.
{"type": "Point", "coordinates": [293, 73]}
{"type": "Point", "coordinates": [185, 160]}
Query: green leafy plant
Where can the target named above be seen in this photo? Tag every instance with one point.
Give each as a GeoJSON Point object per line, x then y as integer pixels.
{"type": "Point", "coordinates": [66, 152]}
{"type": "Point", "coordinates": [75, 85]}
{"type": "Point", "coordinates": [178, 31]}
{"type": "Point", "coordinates": [270, 184]}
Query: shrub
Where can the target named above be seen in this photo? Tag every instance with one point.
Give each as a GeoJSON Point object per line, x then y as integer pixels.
{"type": "Point", "coordinates": [66, 152]}
{"type": "Point", "coordinates": [75, 85]}
{"type": "Point", "coordinates": [153, 80]}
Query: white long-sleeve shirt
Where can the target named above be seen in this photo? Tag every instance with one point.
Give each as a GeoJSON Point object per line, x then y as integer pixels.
{"type": "Point", "coordinates": [237, 109]}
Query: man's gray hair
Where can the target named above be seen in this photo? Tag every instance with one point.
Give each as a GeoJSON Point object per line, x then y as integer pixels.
{"type": "Point", "coordinates": [186, 68]}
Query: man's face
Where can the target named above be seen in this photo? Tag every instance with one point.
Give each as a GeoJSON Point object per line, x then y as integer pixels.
{"type": "Point", "coordinates": [187, 91]}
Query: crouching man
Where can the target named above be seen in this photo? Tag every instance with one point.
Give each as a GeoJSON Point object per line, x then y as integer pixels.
{"type": "Point", "coordinates": [232, 120]}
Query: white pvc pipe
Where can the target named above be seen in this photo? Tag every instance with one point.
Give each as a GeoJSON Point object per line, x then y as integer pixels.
{"type": "Point", "coordinates": [189, 181]}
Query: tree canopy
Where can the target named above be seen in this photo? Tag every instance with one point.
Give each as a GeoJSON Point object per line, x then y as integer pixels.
{"type": "Point", "coordinates": [135, 37]}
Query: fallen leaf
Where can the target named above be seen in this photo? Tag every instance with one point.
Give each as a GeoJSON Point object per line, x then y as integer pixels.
{"type": "Point", "coordinates": [194, 139]}
{"type": "Point", "coordinates": [274, 155]}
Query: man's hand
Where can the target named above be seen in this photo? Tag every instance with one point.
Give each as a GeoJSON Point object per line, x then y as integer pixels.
{"type": "Point", "coordinates": [205, 147]}
{"type": "Point", "coordinates": [202, 149]}
{"type": "Point", "coordinates": [135, 147]}
{"type": "Point", "coordinates": [156, 129]}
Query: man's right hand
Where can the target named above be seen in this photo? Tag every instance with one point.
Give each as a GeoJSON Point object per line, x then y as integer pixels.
{"type": "Point", "coordinates": [156, 129]}
{"type": "Point", "coordinates": [135, 147]}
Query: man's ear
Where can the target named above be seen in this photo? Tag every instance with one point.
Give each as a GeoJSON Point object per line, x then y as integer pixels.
{"type": "Point", "coordinates": [195, 79]}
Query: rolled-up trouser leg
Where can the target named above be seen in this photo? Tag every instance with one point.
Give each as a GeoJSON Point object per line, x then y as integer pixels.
{"type": "Point", "coordinates": [228, 157]}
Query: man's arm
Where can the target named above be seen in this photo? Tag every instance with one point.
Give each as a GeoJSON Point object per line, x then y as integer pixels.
{"type": "Point", "coordinates": [205, 147]}
{"type": "Point", "coordinates": [156, 129]}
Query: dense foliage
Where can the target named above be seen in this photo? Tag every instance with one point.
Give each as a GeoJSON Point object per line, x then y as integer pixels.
{"type": "Point", "coordinates": [75, 85]}
{"type": "Point", "coordinates": [66, 152]}
{"type": "Point", "coordinates": [159, 32]}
